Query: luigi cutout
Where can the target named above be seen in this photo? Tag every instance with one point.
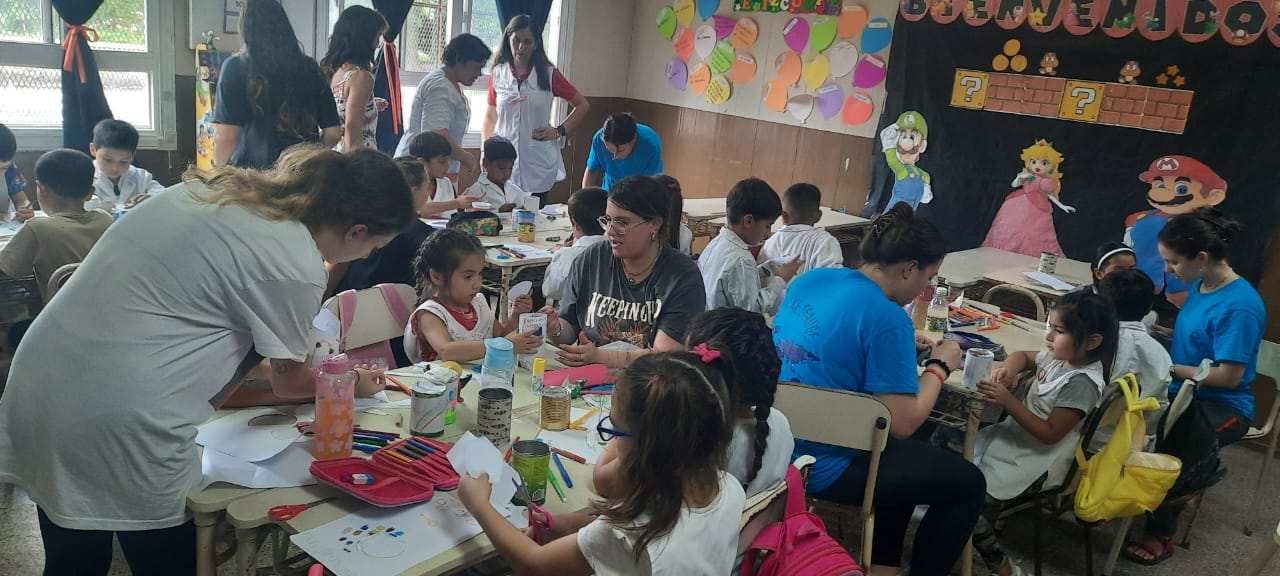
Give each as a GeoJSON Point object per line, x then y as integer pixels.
{"type": "Point", "coordinates": [1179, 185]}
{"type": "Point", "coordinates": [903, 142]}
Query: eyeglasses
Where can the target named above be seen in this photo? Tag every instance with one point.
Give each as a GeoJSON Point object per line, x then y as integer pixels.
{"type": "Point", "coordinates": [608, 432]}
{"type": "Point", "coordinates": [619, 224]}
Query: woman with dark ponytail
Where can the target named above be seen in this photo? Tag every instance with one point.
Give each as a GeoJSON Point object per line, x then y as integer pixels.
{"type": "Point", "coordinates": [741, 346]}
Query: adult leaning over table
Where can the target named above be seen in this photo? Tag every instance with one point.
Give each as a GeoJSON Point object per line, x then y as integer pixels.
{"type": "Point", "coordinates": [634, 288]}
{"type": "Point", "coordinates": [846, 329]}
{"type": "Point", "coordinates": [98, 422]}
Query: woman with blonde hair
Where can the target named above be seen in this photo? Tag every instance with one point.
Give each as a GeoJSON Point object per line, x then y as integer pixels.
{"type": "Point", "coordinates": [1024, 223]}
{"type": "Point", "coordinates": [158, 326]}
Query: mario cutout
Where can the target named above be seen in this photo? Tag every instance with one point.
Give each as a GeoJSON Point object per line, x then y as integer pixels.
{"type": "Point", "coordinates": [1024, 223]}
{"type": "Point", "coordinates": [903, 142]}
{"type": "Point", "coordinates": [1179, 185]}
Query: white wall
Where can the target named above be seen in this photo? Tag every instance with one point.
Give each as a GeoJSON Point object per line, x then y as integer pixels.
{"type": "Point", "coordinates": [207, 15]}
{"type": "Point", "coordinates": [602, 43]}
{"type": "Point", "coordinates": [650, 53]}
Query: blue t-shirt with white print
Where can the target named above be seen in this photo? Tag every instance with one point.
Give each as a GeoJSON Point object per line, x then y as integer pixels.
{"type": "Point", "coordinates": [1225, 325]}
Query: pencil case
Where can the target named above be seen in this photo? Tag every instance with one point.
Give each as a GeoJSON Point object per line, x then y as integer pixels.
{"type": "Point", "coordinates": [594, 374]}
{"type": "Point", "coordinates": [397, 482]}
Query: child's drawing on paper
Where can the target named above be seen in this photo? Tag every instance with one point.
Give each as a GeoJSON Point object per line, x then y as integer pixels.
{"type": "Point", "coordinates": [1024, 223]}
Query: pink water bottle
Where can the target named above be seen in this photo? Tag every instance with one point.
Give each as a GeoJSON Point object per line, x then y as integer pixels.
{"type": "Point", "coordinates": [335, 408]}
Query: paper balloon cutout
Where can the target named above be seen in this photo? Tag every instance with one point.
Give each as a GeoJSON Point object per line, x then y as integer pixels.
{"type": "Point", "coordinates": [796, 34]}
{"type": "Point", "coordinates": [743, 69]}
{"type": "Point", "coordinates": [684, 12]}
{"type": "Point", "coordinates": [858, 108]}
{"type": "Point", "coordinates": [788, 67]}
{"type": "Point", "coordinates": [667, 22]}
{"type": "Point", "coordinates": [724, 26]}
{"type": "Point", "coordinates": [699, 79]}
{"type": "Point", "coordinates": [822, 33]}
{"type": "Point", "coordinates": [870, 72]}
{"type": "Point", "coordinates": [677, 74]}
{"type": "Point", "coordinates": [744, 34]}
{"type": "Point", "coordinates": [843, 57]}
{"type": "Point", "coordinates": [722, 58]}
{"type": "Point", "coordinates": [719, 90]}
{"type": "Point", "coordinates": [852, 20]}
{"type": "Point", "coordinates": [816, 72]}
{"type": "Point", "coordinates": [704, 41]}
{"type": "Point", "coordinates": [876, 36]}
{"type": "Point", "coordinates": [776, 96]}
{"type": "Point", "coordinates": [684, 44]}
{"type": "Point", "coordinates": [707, 7]}
{"type": "Point", "coordinates": [830, 98]}
{"type": "Point", "coordinates": [800, 106]}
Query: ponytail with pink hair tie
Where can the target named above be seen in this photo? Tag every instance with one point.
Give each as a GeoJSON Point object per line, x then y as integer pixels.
{"type": "Point", "coordinates": [706, 353]}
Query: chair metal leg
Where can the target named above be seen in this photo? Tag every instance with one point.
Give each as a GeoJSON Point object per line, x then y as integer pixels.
{"type": "Point", "coordinates": [1036, 518]}
{"type": "Point", "coordinates": [1185, 544]}
{"type": "Point", "coordinates": [1251, 511]}
{"type": "Point", "coordinates": [1263, 557]}
{"type": "Point", "coordinates": [1122, 532]}
{"type": "Point", "coordinates": [1088, 549]}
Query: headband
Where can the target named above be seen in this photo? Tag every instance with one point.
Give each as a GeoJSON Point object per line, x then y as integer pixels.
{"type": "Point", "coordinates": [1113, 253]}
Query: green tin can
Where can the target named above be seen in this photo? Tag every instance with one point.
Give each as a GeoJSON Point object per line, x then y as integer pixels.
{"type": "Point", "coordinates": [531, 459]}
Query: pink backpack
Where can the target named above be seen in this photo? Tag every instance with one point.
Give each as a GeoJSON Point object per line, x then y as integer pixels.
{"type": "Point", "coordinates": [798, 545]}
{"type": "Point", "coordinates": [381, 316]}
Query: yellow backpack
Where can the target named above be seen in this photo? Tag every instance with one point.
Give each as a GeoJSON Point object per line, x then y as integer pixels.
{"type": "Point", "coordinates": [1122, 480]}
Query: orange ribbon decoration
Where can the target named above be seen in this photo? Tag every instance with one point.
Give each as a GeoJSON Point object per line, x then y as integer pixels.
{"type": "Point", "coordinates": [391, 63]}
{"type": "Point", "coordinates": [71, 49]}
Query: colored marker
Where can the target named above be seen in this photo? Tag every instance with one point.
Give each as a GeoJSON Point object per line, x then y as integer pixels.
{"type": "Point", "coordinates": [364, 448]}
{"type": "Point", "coordinates": [569, 455]}
{"type": "Point", "coordinates": [507, 458]}
{"type": "Point", "coordinates": [551, 475]}
{"type": "Point", "coordinates": [376, 432]}
{"type": "Point", "coordinates": [400, 456]}
{"type": "Point", "coordinates": [568, 482]}
{"type": "Point", "coordinates": [429, 449]}
{"type": "Point", "coordinates": [415, 451]}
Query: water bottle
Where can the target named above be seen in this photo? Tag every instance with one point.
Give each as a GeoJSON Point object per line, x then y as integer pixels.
{"type": "Point", "coordinates": [935, 322]}
{"type": "Point", "coordinates": [499, 364]}
{"type": "Point", "coordinates": [335, 408]}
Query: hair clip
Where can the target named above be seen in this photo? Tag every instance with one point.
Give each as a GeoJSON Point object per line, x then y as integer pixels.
{"type": "Point", "coordinates": [706, 353]}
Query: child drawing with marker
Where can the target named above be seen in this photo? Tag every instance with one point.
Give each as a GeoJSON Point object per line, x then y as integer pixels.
{"type": "Point", "coordinates": [1024, 223]}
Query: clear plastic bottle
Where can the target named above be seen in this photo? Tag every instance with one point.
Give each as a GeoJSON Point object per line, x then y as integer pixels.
{"type": "Point", "coordinates": [935, 322]}
{"type": "Point", "coordinates": [920, 306]}
{"type": "Point", "coordinates": [335, 408]}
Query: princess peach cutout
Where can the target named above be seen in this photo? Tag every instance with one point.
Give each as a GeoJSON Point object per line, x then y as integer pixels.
{"type": "Point", "coordinates": [1024, 223]}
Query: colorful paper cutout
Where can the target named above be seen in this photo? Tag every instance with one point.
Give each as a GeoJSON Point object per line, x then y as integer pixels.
{"type": "Point", "coordinates": [1081, 16]}
{"type": "Point", "coordinates": [816, 71]}
{"type": "Point", "coordinates": [719, 91]}
{"type": "Point", "coordinates": [743, 69]}
{"type": "Point", "coordinates": [724, 26]}
{"type": "Point", "coordinates": [869, 73]}
{"type": "Point", "coordinates": [744, 34]}
{"type": "Point", "coordinates": [704, 41]}
{"type": "Point", "coordinates": [1244, 21]}
{"type": "Point", "coordinates": [789, 67]}
{"type": "Point", "coordinates": [1045, 15]}
{"type": "Point", "coordinates": [776, 96]}
{"type": "Point", "coordinates": [876, 36]}
{"type": "Point", "coordinates": [969, 90]}
{"type": "Point", "coordinates": [946, 11]}
{"type": "Point", "coordinates": [677, 74]}
{"type": "Point", "coordinates": [1024, 223]}
{"type": "Point", "coordinates": [796, 34]}
{"type": "Point", "coordinates": [800, 107]}
{"type": "Point", "coordinates": [822, 33]}
{"type": "Point", "coordinates": [857, 108]}
{"type": "Point", "coordinates": [1010, 15]}
{"type": "Point", "coordinates": [843, 57]}
{"type": "Point", "coordinates": [829, 99]}
{"type": "Point", "coordinates": [978, 12]}
{"type": "Point", "coordinates": [700, 78]}
{"type": "Point", "coordinates": [706, 8]}
{"type": "Point", "coordinates": [667, 22]}
{"type": "Point", "coordinates": [722, 57]}
{"type": "Point", "coordinates": [684, 12]}
{"type": "Point", "coordinates": [903, 142]}
{"type": "Point", "coordinates": [684, 44]}
{"type": "Point", "coordinates": [1177, 185]}
{"type": "Point", "coordinates": [852, 21]}
{"type": "Point", "coordinates": [1158, 19]}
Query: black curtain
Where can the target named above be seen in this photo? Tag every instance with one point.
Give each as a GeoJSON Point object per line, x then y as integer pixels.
{"type": "Point", "coordinates": [386, 78]}
{"type": "Point", "coordinates": [538, 10]}
{"type": "Point", "coordinates": [83, 101]}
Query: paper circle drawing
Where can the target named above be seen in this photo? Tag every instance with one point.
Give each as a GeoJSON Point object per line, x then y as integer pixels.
{"type": "Point", "coordinates": [822, 33]}
{"type": "Point", "coordinates": [719, 91]}
{"type": "Point", "coordinates": [684, 12]}
{"type": "Point", "coordinates": [776, 96]}
{"type": "Point", "coordinates": [722, 58]}
{"type": "Point", "coordinates": [724, 26]}
{"type": "Point", "coordinates": [876, 36]}
{"type": "Point", "coordinates": [677, 74]}
{"type": "Point", "coordinates": [744, 34]}
{"type": "Point", "coordinates": [816, 72]}
{"type": "Point", "coordinates": [667, 22]}
{"type": "Point", "coordinates": [699, 78]}
{"type": "Point", "coordinates": [684, 44]}
{"type": "Point", "coordinates": [704, 41]}
{"type": "Point", "coordinates": [380, 546]}
{"type": "Point", "coordinates": [870, 72]}
{"type": "Point", "coordinates": [788, 67]}
{"type": "Point", "coordinates": [843, 57]}
{"type": "Point", "coordinates": [853, 18]}
{"type": "Point", "coordinates": [743, 69]}
{"type": "Point", "coordinates": [800, 106]}
{"type": "Point", "coordinates": [796, 34]}
{"type": "Point", "coordinates": [829, 99]}
{"type": "Point", "coordinates": [857, 108]}
{"type": "Point", "coordinates": [707, 7]}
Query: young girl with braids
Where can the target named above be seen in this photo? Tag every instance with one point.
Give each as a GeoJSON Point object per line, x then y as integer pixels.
{"type": "Point", "coordinates": [671, 508]}
{"type": "Point", "coordinates": [760, 450]}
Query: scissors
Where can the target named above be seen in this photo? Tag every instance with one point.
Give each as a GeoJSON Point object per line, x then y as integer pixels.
{"type": "Point", "coordinates": [287, 512]}
{"type": "Point", "coordinates": [541, 528]}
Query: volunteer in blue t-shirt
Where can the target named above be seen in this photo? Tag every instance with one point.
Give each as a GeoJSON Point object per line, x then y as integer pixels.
{"type": "Point", "coordinates": [623, 147]}
{"type": "Point", "coordinates": [1223, 320]}
{"type": "Point", "coordinates": [843, 328]}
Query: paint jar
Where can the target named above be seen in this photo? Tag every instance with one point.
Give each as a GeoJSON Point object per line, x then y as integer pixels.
{"type": "Point", "coordinates": [977, 366]}
{"type": "Point", "coordinates": [555, 407]}
{"type": "Point", "coordinates": [455, 382]}
{"type": "Point", "coordinates": [531, 460]}
{"type": "Point", "coordinates": [335, 409]}
{"type": "Point", "coordinates": [430, 402]}
{"type": "Point", "coordinates": [525, 225]}
{"type": "Point", "coordinates": [1048, 263]}
{"type": "Point", "coordinates": [493, 415]}
{"type": "Point", "coordinates": [498, 367]}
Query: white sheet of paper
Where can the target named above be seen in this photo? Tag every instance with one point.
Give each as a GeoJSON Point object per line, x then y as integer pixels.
{"type": "Point", "coordinates": [583, 443]}
{"type": "Point", "coordinates": [528, 251]}
{"type": "Point", "coordinates": [379, 398]}
{"type": "Point", "coordinates": [291, 467]}
{"type": "Point", "coordinates": [1049, 280]}
{"type": "Point", "coordinates": [472, 456]}
{"type": "Point", "coordinates": [521, 289]}
{"type": "Point", "coordinates": [232, 435]}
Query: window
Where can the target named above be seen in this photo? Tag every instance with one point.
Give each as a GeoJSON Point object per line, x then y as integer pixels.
{"type": "Point", "coordinates": [430, 25]}
{"type": "Point", "coordinates": [134, 56]}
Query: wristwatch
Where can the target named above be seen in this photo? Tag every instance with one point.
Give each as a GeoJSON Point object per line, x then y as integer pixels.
{"type": "Point", "coordinates": [560, 130]}
{"type": "Point", "coordinates": [941, 364]}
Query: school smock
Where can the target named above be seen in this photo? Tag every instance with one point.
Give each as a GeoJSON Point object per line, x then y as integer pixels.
{"type": "Point", "coordinates": [733, 280]}
{"type": "Point", "coordinates": [777, 452]}
{"type": "Point", "coordinates": [703, 542]}
{"type": "Point", "coordinates": [524, 106]}
{"type": "Point", "coordinates": [438, 103]}
{"type": "Point", "coordinates": [98, 422]}
{"type": "Point", "coordinates": [1138, 353]}
{"type": "Point", "coordinates": [645, 158]}
{"type": "Point", "coordinates": [836, 328]}
{"type": "Point", "coordinates": [1011, 458]}
{"type": "Point", "coordinates": [561, 261]}
{"type": "Point", "coordinates": [134, 182]}
{"type": "Point", "coordinates": [416, 346]}
{"type": "Point", "coordinates": [484, 190]}
{"type": "Point", "coordinates": [1225, 325]}
{"type": "Point", "coordinates": [815, 247]}
{"type": "Point", "coordinates": [444, 192]}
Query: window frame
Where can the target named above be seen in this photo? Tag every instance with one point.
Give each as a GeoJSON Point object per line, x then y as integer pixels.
{"type": "Point", "coordinates": [157, 61]}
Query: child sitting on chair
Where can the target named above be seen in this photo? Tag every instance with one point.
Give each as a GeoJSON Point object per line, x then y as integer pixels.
{"type": "Point", "coordinates": [586, 207]}
{"type": "Point", "coordinates": [1132, 293]}
{"type": "Point", "coordinates": [815, 247]}
{"type": "Point", "coordinates": [13, 191]}
{"type": "Point", "coordinates": [116, 180]}
{"type": "Point", "coordinates": [729, 271]}
{"type": "Point", "coordinates": [494, 185]}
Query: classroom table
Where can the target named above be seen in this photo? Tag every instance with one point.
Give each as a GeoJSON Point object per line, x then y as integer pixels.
{"type": "Point", "coordinates": [697, 211]}
{"type": "Point", "coordinates": [986, 267]}
{"type": "Point", "coordinates": [832, 221]}
{"type": "Point", "coordinates": [207, 508]}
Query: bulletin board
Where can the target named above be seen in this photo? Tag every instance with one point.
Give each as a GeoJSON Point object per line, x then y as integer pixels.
{"type": "Point", "coordinates": [808, 104]}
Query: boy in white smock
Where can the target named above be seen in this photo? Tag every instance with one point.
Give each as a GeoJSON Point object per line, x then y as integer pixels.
{"type": "Point", "coordinates": [815, 247]}
{"type": "Point", "coordinates": [494, 185]}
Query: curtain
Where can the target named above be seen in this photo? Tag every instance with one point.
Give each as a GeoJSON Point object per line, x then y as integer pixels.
{"type": "Point", "coordinates": [386, 79]}
{"type": "Point", "coordinates": [83, 101]}
{"type": "Point", "coordinates": [538, 10]}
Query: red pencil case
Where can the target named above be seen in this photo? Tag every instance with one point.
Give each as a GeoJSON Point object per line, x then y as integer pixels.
{"type": "Point", "coordinates": [594, 374]}
{"type": "Point", "coordinates": [396, 482]}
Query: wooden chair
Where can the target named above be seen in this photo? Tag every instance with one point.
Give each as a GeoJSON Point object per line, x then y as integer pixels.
{"type": "Point", "coordinates": [1269, 366]}
{"type": "Point", "coordinates": [845, 419]}
{"type": "Point", "coordinates": [1010, 290]}
{"type": "Point", "coordinates": [59, 278]}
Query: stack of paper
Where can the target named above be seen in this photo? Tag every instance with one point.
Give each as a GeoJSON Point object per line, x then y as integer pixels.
{"type": "Point", "coordinates": [256, 448]}
{"type": "Point", "coordinates": [1049, 280]}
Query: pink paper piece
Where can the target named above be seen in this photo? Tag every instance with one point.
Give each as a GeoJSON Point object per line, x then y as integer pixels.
{"type": "Point", "coordinates": [796, 34]}
{"type": "Point", "coordinates": [869, 73]}
{"type": "Point", "coordinates": [724, 26]}
{"type": "Point", "coordinates": [830, 100]}
{"type": "Point", "coordinates": [677, 74]}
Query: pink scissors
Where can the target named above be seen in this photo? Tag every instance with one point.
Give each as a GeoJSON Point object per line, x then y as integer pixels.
{"type": "Point", "coordinates": [539, 518]}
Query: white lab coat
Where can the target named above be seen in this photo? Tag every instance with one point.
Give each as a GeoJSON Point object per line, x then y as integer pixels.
{"type": "Point", "coordinates": [732, 279]}
{"type": "Point", "coordinates": [523, 108]}
{"type": "Point", "coordinates": [132, 183]}
{"type": "Point", "coordinates": [484, 190]}
{"type": "Point", "coordinates": [815, 247]}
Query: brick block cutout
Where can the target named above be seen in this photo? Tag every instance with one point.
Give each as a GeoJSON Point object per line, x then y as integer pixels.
{"type": "Point", "coordinates": [1128, 106]}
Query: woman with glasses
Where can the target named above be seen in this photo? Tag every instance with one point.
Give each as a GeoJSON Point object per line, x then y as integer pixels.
{"type": "Point", "coordinates": [634, 288]}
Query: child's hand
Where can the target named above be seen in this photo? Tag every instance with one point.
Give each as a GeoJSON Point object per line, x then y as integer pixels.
{"type": "Point", "coordinates": [924, 343]}
{"type": "Point", "coordinates": [1004, 377]}
{"type": "Point", "coordinates": [474, 492]}
{"type": "Point", "coordinates": [25, 214]}
{"type": "Point", "coordinates": [369, 381]}
{"type": "Point", "coordinates": [522, 305]}
{"type": "Point", "coordinates": [788, 270]}
{"type": "Point", "coordinates": [136, 200]}
{"type": "Point", "coordinates": [995, 393]}
{"type": "Point", "coordinates": [525, 342]}
{"type": "Point", "coordinates": [580, 354]}
{"type": "Point", "coordinates": [553, 320]}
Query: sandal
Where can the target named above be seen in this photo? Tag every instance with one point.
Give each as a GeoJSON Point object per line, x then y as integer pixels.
{"type": "Point", "coordinates": [1135, 551]}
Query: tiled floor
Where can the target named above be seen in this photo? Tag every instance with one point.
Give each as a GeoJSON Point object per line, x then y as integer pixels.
{"type": "Point", "coordinates": [1218, 548]}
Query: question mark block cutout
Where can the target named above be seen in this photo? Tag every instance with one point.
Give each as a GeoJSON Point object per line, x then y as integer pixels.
{"type": "Point", "coordinates": [1082, 101]}
{"type": "Point", "coordinates": [970, 89]}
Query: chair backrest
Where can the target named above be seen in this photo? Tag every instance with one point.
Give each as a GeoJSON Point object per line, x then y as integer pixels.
{"type": "Point", "coordinates": [1269, 366]}
{"type": "Point", "coordinates": [1009, 289]}
{"type": "Point", "coordinates": [59, 278]}
{"type": "Point", "coordinates": [369, 316]}
{"type": "Point", "coordinates": [836, 417]}
{"type": "Point", "coordinates": [761, 509]}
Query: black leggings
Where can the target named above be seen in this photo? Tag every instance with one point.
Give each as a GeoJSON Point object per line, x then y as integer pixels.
{"type": "Point", "coordinates": [162, 552]}
{"type": "Point", "coordinates": [914, 473]}
{"type": "Point", "coordinates": [1200, 460]}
